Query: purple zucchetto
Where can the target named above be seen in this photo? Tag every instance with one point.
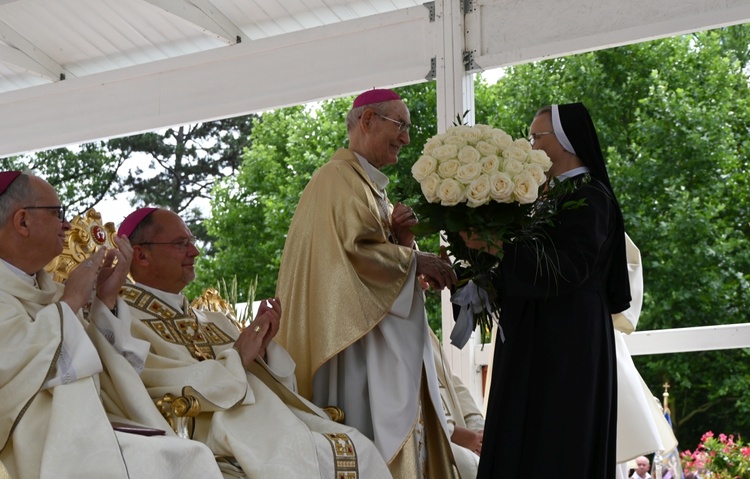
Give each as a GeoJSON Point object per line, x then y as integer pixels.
{"type": "Point", "coordinates": [7, 178]}
{"type": "Point", "coordinates": [133, 220]}
{"type": "Point", "coordinates": [375, 96]}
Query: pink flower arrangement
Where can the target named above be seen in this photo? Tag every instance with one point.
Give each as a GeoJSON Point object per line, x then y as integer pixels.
{"type": "Point", "coordinates": [720, 458]}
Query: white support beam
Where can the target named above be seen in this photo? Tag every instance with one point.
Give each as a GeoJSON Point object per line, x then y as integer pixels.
{"type": "Point", "coordinates": [455, 95]}
{"type": "Point", "coordinates": [455, 87]}
{"type": "Point", "coordinates": [204, 15]}
{"type": "Point", "coordinates": [25, 55]}
{"type": "Point", "coordinates": [345, 58]}
{"type": "Point", "coordinates": [507, 32]}
{"type": "Point", "coordinates": [706, 338]}
{"type": "Point", "coordinates": [20, 60]}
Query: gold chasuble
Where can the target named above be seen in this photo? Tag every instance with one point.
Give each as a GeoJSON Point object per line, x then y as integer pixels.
{"type": "Point", "coordinates": [340, 281]}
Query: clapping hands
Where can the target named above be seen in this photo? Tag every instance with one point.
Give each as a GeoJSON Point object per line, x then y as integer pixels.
{"type": "Point", "coordinates": [254, 339]}
{"type": "Point", "coordinates": [104, 272]}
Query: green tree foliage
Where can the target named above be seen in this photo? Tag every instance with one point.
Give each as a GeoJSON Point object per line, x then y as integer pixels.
{"type": "Point", "coordinates": [252, 211]}
{"type": "Point", "coordinates": [82, 176]}
{"type": "Point", "coordinates": [184, 163]}
{"type": "Point", "coordinates": [673, 118]}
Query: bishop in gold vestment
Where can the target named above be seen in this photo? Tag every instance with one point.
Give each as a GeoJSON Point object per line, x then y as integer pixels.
{"type": "Point", "coordinates": [354, 318]}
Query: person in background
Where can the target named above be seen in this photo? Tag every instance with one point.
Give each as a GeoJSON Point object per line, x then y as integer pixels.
{"type": "Point", "coordinates": [53, 422]}
{"type": "Point", "coordinates": [354, 317]}
{"type": "Point", "coordinates": [642, 465]}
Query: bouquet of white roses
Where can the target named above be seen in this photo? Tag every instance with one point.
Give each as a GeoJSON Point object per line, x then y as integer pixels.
{"type": "Point", "coordinates": [479, 164]}
{"type": "Point", "coordinates": [479, 180]}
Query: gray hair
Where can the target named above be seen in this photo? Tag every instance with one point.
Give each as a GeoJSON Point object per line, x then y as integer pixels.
{"type": "Point", "coordinates": [17, 194]}
{"type": "Point", "coordinates": [543, 110]}
{"type": "Point", "coordinates": [352, 118]}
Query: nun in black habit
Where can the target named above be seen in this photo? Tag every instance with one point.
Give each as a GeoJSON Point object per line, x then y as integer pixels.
{"type": "Point", "coordinates": [552, 404]}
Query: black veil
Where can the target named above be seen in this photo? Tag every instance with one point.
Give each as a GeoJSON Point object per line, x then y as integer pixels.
{"type": "Point", "coordinates": [581, 133]}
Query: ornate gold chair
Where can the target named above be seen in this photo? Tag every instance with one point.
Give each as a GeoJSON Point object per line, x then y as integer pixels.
{"type": "Point", "coordinates": [87, 233]}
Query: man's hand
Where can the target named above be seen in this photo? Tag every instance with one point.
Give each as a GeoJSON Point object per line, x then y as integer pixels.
{"type": "Point", "coordinates": [82, 281]}
{"type": "Point", "coordinates": [254, 339]}
{"type": "Point", "coordinates": [112, 276]}
{"type": "Point", "coordinates": [473, 241]}
{"type": "Point", "coordinates": [270, 308]}
{"type": "Point", "coordinates": [436, 270]}
{"type": "Point", "coordinates": [471, 440]}
{"type": "Point", "coordinates": [402, 219]}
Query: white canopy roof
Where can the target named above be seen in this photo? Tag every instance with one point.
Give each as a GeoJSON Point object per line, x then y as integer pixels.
{"type": "Point", "coordinates": [79, 70]}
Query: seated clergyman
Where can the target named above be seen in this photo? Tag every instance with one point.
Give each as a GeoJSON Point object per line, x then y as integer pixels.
{"type": "Point", "coordinates": [53, 422]}
{"type": "Point", "coordinates": [245, 381]}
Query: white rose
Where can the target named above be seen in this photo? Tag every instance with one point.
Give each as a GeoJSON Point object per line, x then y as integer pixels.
{"type": "Point", "coordinates": [468, 172]}
{"type": "Point", "coordinates": [448, 168]}
{"type": "Point", "coordinates": [430, 186]}
{"type": "Point", "coordinates": [498, 131]}
{"type": "Point", "coordinates": [444, 152]}
{"type": "Point", "coordinates": [423, 167]}
{"type": "Point", "coordinates": [484, 129]}
{"type": "Point", "coordinates": [455, 130]}
{"type": "Point", "coordinates": [471, 135]}
{"type": "Point", "coordinates": [536, 172]}
{"type": "Point", "coordinates": [523, 144]}
{"type": "Point", "coordinates": [457, 141]}
{"type": "Point", "coordinates": [431, 144]}
{"type": "Point", "coordinates": [501, 187]}
{"type": "Point", "coordinates": [526, 189]}
{"type": "Point", "coordinates": [486, 148]}
{"type": "Point", "coordinates": [450, 192]}
{"type": "Point", "coordinates": [490, 164]}
{"type": "Point", "coordinates": [478, 192]}
{"type": "Point", "coordinates": [468, 154]}
{"type": "Point", "coordinates": [501, 139]}
{"type": "Point", "coordinates": [512, 166]}
{"type": "Point", "coordinates": [539, 157]}
{"type": "Point", "coordinates": [515, 153]}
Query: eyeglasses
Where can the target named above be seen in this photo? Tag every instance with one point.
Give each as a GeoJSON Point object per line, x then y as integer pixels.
{"type": "Point", "coordinates": [534, 136]}
{"type": "Point", "coordinates": [403, 127]}
{"type": "Point", "coordinates": [60, 210]}
{"type": "Point", "coordinates": [179, 244]}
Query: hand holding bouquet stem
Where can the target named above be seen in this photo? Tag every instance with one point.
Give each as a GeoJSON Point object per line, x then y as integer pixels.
{"type": "Point", "coordinates": [436, 270]}
{"type": "Point", "coordinates": [474, 241]}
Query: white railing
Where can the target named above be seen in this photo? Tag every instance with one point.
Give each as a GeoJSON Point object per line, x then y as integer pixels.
{"type": "Point", "coordinates": [469, 362]}
{"type": "Point", "coordinates": [680, 340]}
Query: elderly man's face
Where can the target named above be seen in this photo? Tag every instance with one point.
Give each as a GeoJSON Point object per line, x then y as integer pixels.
{"type": "Point", "coordinates": [642, 467]}
{"type": "Point", "coordinates": [46, 230]}
{"type": "Point", "coordinates": [171, 263]}
{"type": "Point", "coordinates": [384, 139]}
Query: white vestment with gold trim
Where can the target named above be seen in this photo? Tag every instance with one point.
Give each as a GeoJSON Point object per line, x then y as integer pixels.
{"type": "Point", "coordinates": [242, 417]}
{"type": "Point", "coordinates": [53, 423]}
